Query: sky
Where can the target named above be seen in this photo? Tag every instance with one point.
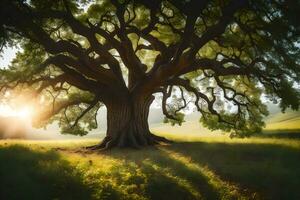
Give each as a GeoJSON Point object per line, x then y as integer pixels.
{"type": "Point", "coordinates": [7, 56]}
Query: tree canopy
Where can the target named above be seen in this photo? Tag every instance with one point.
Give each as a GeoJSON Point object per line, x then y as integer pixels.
{"type": "Point", "coordinates": [222, 57]}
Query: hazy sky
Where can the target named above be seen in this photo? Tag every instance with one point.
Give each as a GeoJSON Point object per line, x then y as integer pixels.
{"type": "Point", "coordinates": [7, 56]}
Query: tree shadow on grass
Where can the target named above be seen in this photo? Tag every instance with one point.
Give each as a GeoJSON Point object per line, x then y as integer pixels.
{"type": "Point", "coordinates": [272, 170]}
{"type": "Point", "coordinates": [168, 178]}
{"type": "Point", "coordinates": [216, 170]}
{"type": "Point", "coordinates": [28, 174]}
{"type": "Point", "coordinates": [185, 170]}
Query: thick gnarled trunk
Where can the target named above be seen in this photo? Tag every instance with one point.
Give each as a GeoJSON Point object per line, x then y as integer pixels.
{"type": "Point", "coordinates": [127, 124]}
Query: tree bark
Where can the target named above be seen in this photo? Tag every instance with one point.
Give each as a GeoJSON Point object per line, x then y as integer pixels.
{"type": "Point", "coordinates": [127, 124]}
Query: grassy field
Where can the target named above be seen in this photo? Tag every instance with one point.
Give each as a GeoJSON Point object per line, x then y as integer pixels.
{"type": "Point", "coordinates": [192, 168]}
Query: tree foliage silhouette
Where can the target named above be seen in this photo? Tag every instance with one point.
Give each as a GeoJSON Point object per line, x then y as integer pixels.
{"type": "Point", "coordinates": [220, 56]}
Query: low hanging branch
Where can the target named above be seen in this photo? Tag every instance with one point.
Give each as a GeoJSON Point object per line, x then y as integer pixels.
{"type": "Point", "coordinates": [221, 56]}
{"type": "Point", "coordinates": [90, 107]}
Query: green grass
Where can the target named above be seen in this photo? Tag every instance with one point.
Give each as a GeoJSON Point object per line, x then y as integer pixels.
{"type": "Point", "coordinates": [192, 168]}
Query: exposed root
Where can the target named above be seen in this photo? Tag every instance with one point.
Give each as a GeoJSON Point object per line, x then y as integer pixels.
{"type": "Point", "coordinates": [106, 143]}
{"type": "Point", "coordinates": [161, 139]}
{"type": "Point", "coordinates": [128, 142]}
{"type": "Point", "coordinates": [93, 147]}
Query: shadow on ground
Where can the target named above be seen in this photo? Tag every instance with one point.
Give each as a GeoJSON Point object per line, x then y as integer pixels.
{"type": "Point", "coordinates": [200, 170]}
{"type": "Point", "coordinates": [271, 170]}
{"type": "Point", "coordinates": [27, 174]}
{"type": "Point", "coordinates": [181, 171]}
{"type": "Point", "coordinates": [167, 177]}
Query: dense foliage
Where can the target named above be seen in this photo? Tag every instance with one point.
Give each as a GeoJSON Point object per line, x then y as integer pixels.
{"type": "Point", "coordinates": [221, 57]}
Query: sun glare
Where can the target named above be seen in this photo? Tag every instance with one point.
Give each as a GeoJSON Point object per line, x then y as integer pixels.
{"type": "Point", "coordinates": [24, 112]}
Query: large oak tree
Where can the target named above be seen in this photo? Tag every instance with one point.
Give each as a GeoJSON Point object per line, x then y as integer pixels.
{"type": "Point", "coordinates": [221, 56]}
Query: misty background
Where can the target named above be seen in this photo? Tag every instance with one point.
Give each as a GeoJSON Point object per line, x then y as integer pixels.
{"type": "Point", "coordinates": [16, 127]}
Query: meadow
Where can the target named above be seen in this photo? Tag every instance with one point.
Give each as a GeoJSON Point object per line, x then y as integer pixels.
{"type": "Point", "coordinates": [199, 165]}
{"type": "Point", "coordinates": [191, 168]}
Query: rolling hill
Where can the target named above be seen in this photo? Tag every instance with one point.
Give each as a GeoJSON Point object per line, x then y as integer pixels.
{"type": "Point", "coordinates": [283, 121]}
{"type": "Point", "coordinates": [276, 121]}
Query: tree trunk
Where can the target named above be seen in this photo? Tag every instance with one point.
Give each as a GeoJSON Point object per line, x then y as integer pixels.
{"type": "Point", "coordinates": [127, 124]}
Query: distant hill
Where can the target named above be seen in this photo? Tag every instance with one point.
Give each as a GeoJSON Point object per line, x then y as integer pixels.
{"type": "Point", "coordinates": [290, 120]}
{"type": "Point", "coordinates": [283, 121]}
{"type": "Point", "coordinates": [190, 127]}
